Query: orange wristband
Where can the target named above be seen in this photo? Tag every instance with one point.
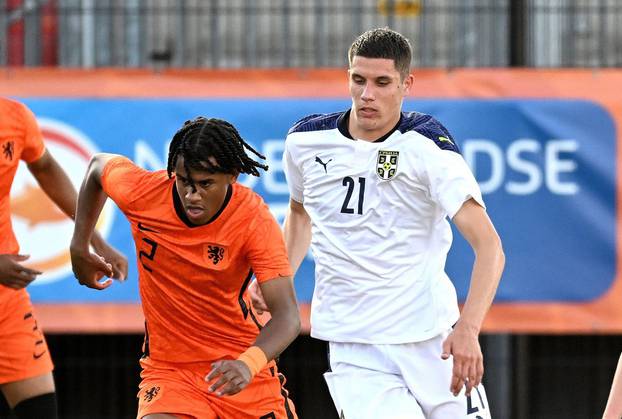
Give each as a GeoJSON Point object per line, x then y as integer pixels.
{"type": "Point", "coordinates": [254, 358]}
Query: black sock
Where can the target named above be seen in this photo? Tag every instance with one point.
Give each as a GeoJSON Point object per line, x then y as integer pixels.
{"type": "Point", "coordinates": [38, 407]}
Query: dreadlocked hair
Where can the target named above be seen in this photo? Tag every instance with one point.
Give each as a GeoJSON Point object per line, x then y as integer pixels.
{"type": "Point", "coordinates": [202, 138]}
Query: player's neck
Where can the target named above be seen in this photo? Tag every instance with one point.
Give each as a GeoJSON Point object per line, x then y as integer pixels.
{"type": "Point", "coordinates": [359, 132]}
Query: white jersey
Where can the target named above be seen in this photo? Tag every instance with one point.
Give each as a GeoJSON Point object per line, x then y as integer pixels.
{"type": "Point", "coordinates": [380, 234]}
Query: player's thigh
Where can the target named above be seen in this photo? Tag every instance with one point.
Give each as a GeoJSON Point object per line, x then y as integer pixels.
{"type": "Point", "coordinates": [429, 379]}
{"type": "Point", "coordinates": [367, 394]}
{"type": "Point", "coordinates": [173, 392]}
{"type": "Point", "coordinates": [18, 391]}
{"type": "Point", "coordinates": [25, 360]}
{"type": "Point", "coordinates": [473, 407]}
{"type": "Point", "coordinates": [264, 398]}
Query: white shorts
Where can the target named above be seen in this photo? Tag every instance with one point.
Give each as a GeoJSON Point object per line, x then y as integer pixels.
{"type": "Point", "coordinates": [405, 381]}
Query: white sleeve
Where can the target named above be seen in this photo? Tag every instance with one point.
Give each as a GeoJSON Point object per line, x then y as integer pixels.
{"type": "Point", "coordinates": [450, 180]}
{"type": "Point", "coordinates": [293, 175]}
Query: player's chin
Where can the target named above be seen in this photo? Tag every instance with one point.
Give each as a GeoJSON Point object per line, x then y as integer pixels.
{"type": "Point", "coordinates": [368, 122]}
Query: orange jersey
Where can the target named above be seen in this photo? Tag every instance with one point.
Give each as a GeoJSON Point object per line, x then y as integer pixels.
{"type": "Point", "coordinates": [193, 279]}
{"type": "Point", "coordinates": [20, 139]}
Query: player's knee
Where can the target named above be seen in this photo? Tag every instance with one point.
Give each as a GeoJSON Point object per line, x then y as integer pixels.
{"type": "Point", "coordinates": [42, 406]}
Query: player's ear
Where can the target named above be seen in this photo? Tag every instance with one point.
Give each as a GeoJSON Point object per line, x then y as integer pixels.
{"type": "Point", "coordinates": [408, 82]}
{"type": "Point", "coordinates": [233, 178]}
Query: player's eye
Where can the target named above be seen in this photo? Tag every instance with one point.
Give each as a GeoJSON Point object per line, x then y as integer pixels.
{"type": "Point", "coordinates": [185, 182]}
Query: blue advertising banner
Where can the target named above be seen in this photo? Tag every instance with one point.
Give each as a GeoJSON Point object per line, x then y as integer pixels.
{"type": "Point", "coordinates": [547, 169]}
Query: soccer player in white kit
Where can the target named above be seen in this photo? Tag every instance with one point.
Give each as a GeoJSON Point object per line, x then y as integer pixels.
{"type": "Point", "coordinates": [371, 189]}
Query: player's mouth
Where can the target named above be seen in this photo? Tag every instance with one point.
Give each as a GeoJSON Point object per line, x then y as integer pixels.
{"type": "Point", "coordinates": [367, 112]}
{"type": "Point", "coordinates": [194, 213]}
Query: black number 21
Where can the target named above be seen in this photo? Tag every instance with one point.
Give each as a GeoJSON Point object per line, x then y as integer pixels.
{"type": "Point", "coordinates": [349, 183]}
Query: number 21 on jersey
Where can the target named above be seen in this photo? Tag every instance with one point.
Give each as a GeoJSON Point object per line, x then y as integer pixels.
{"type": "Point", "coordinates": [350, 184]}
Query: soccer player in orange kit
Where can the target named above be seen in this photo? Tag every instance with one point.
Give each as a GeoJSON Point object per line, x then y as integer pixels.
{"type": "Point", "coordinates": [26, 379]}
{"type": "Point", "coordinates": [199, 237]}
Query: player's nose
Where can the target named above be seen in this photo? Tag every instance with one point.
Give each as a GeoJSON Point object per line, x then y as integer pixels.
{"type": "Point", "coordinates": [368, 92]}
{"type": "Point", "coordinates": [192, 194]}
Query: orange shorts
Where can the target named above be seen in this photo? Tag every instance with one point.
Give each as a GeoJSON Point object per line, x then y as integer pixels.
{"type": "Point", "coordinates": [178, 390]}
{"type": "Point", "coordinates": [23, 350]}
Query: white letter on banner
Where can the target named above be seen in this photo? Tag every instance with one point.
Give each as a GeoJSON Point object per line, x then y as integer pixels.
{"type": "Point", "coordinates": [555, 165]}
{"type": "Point", "coordinates": [524, 166]}
{"type": "Point", "coordinates": [497, 169]}
{"type": "Point", "coordinates": [145, 157]}
{"type": "Point", "coordinates": [273, 150]}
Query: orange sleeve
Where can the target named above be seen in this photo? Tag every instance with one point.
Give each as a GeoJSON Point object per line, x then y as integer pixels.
{"type": "Point", "coordinates": [266, 247]}
{"type": "Point", "coordinates": [33, 139]}
{"type": "Point", "coordinates": [119, 180]}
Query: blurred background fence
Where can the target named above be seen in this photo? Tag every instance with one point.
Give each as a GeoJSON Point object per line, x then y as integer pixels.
{"type": "Point", "coordinates": [529, 376]}
{"type": "Point", "coordinates": [307, 33]}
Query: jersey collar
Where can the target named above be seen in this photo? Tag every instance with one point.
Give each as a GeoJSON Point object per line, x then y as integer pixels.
{"type": "Point", "coordinates": [344, 119]}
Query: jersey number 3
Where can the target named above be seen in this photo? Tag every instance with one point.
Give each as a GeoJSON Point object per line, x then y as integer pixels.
{"type": "Point", "coordinates": [349, 183]}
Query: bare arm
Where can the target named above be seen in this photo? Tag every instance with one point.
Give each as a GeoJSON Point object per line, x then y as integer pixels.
{"type": "Point", "coordinates": [614, 403]}
{"type": "Point", "coordinates": [57, 185]}
{"type": "Point", "coordinates": [474, 224]}
{"type": "Point", "coordinates": [284, 325]}
{"type": "Point", "coordinates": [276, 296]}
{"type": "Point", "coordinates": [88, 267]}
{"type": "Point", "coordinates": [231, 376]}
{"type": "Point", "coordinates": [297, 232]}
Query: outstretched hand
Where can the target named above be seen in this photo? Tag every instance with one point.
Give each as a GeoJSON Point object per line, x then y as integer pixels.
{"type": "Point", "coordinates": [468, 370]}
{"type": "Point", "coordinates": [15, 275]}
{"type": "Point", "coordinates": [89, 268]}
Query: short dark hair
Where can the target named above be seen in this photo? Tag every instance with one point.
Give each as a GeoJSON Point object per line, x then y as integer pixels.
{"type": "Point", "coordinates": [201, 138]}
{"type": "Point", "coordinates": [383, 43]}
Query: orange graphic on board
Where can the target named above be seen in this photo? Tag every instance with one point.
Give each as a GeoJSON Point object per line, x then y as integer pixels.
{"type": "Point", "coordinates": [34, 206]}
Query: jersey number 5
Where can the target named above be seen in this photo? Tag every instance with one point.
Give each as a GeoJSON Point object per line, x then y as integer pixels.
{"type": "Point", "coordinates": [349, 183]}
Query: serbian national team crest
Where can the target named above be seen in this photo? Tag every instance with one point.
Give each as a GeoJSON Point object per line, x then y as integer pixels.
{"type": "Point", "coordinates": [386, 166]}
